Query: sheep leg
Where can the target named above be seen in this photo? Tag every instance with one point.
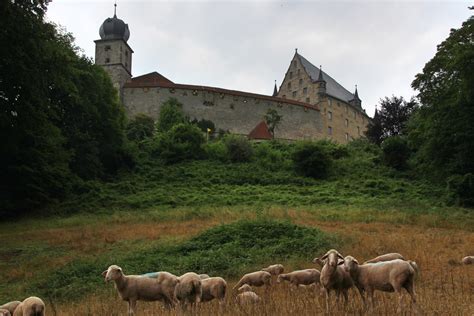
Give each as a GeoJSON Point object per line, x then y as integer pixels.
{"type": "Point", "coordinates": [346, 297]}
{"type": "Point", "coordinates": [362, 296]}
{"type": "Point", "coordinates": [131, 307]}
{"type": "Point", "coordinates": [411, 290]}
{"type": "Point", "coordinates": [327, 300]}
{"type": "Point", "coordinates": [400, 301]}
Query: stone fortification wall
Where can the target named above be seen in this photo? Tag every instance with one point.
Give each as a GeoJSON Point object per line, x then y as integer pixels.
{"type": "Point", "coordinates": [234, 111]}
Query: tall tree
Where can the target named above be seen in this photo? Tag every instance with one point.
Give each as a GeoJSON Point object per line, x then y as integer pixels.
{"type": "Point", "coordinates": [443, 130]}
{"type": "Point", "coordinates": [391, 119]}
{"type": "Point", "coordinates": [273, 119]}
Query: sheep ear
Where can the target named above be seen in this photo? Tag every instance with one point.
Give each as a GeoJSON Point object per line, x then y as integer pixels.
{"type": "Point", "coordinates": [340, 256]}
{"type": "Point", "coordinates": [355, 260]}
{"type": "Point", "coordinates": [324, 257]}
{"type": "Point", "coordinates": [340, 262]}
{"type": "Point", "coordinates": [104, 273]}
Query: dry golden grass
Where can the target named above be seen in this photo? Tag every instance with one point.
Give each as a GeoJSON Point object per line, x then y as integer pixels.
{"type": "Point", "coordinates": [444, 287]}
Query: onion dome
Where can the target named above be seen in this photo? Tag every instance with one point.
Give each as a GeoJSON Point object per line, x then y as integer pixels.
{"type": "Point", "coordinates": [114, 28]}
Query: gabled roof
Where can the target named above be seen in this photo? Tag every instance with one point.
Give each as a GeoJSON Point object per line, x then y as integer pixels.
{"type": "Point", "coordinates": [149, 80]}
{"type": "Point", "coordinates": [260, 132]}
{"type": "Point", "coordinates": [332, 87]}
{"type": "Point", "coordinates": [155, 79]}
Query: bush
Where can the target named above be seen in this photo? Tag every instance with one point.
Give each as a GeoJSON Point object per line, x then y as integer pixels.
{"type": "Point", "coordinates": [182, 142]}
{"type": "Point", "coordinates": [395, 152]}
{"type": "Point", "coordinates": [461, 187]}
{"type": "Point", "coordinates": [238, 148]}
{"type": "Point", "coordinates": [140, 127]}
{"type": "Point", "coordinates": [171, 114]}
{"type": "Point", "coordinates": [270, 158]}
{"type": "Point", "coordinates": [216, 151]}
{"type": "Point", "coordinates": [312, 159]}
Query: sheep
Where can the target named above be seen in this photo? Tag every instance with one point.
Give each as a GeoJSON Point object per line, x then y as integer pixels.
{"type": "Point", "coordinates": [387, 276]}
{"type": "Point", "coordinates": [334, 277]}
{"type": "Point", "coordinates": [31, 306]}
{"type": "Point", "coordinates": [133, 288]}
{"type": "Point", "coordinates": [5, 312]}
{"type": "Point", "coordinates": [319, 262]}
{"type": "Point", "coordinates": [247, 298]}
{"type": "Point", "coordinates": [189, 289]}
{"type": "Point", "coordinates": [214, 288]}
{"type": "Point", "coordinates": [245, 288]}
{"type": "Point", "coordinates": [257, 278]}
{"type": "Point", "coordinates": [204, 276]}
{"type": "Point", "coordinates": [274, 269]}
{"type": "Point", "coordinates": [11, 306]}
{"type": "Point", "coordinates": [468, 260]}
{"type": "Point", "coordinates": [386, 257]}
{"type": "Point", "coordinates": [301, 277]}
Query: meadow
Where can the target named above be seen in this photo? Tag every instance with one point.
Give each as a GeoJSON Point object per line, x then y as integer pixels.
{"type": "Point", "coordinates": [227, 219]}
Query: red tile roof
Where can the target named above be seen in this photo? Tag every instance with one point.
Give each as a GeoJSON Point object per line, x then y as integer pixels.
{"type": "Point", "coordinates": [260, 132]}
{"type": "Point", "coordinates": [154, 79]}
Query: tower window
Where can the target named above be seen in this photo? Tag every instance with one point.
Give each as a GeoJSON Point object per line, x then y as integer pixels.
{"type": "Point", "coordinates": [347, 136]}
{"type": "Point", "coordinates": [305, 91]}
{"type": "Point", "coordinates": [358, 130]}
{"type": "Point", "coordinates": [329, 130]}
{"type": "Point", "coordinates": [301, 82]}
{"type": "Point", "coordinates": [347, 122]}
{"type": "Point", "coordinates": [107, 60]}
{"type": "Point", "coordinates": [294, 94]}
{"type": "Point", "coordinates": [330, 115]}
{"type": "Point", "coordinates": [107, 47]}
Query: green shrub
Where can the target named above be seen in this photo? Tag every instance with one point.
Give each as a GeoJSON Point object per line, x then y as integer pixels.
{"type": "Point", "coordinates": [461, 188]}
{"type": "Point", "coordinates": [140, 127]}
{"type": "Point", "coordinates": [312, 159]}
{"type": "Point", "coordinates": [182, 142]}
{"type": "Point", "coordinates": [239, 149]}
{"type": "Point", "coordinates": [171, 114]}
{"type": "Point", "coordinates": [270, 158]}
{"type": "Point", "coordinates": [217, 151]}
{"type": "Point", "coordinates": [396, 152]}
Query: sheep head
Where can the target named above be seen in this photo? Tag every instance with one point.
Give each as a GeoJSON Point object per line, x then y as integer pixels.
{"type": "Point", "coordinates": [350, 263]}
{"type": "Point", "coordinates": [332, 257]}
{"type": "Point", "coordinates": [112, 273]}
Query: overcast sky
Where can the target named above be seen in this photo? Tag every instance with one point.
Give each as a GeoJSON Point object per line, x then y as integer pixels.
{"type": "Point", "coordinates": [246, 45]}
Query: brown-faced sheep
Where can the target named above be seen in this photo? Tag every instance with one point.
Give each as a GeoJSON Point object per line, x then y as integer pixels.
{"type": "Point", "coordinates": [258, 278]}
{"type": "Point", "coordinates": [386, 257]}
{"type": "Point", "coordinates": [133, 288]}
{"type": "Point", "coordinates": [189, 289]}
{"type": "Point", "coordinates": [213, 288]}
{"type": "Point", "coordinates": [10, 306]}
{"type": "Point", "coordinates": [468, 260]}
{"type": "Point", "coordinates": [32, 306]}
{"type": "Point", "coordinates": [387, 276]}
{"type": "Point", "coordinates": [334, 277]}
{"type": "Point", "coordinates": [274, 269]}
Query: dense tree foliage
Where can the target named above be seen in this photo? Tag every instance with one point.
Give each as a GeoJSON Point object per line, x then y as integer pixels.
{"type": "Point", "coordinates": [391, 119]}
{"type": "Point", "coordinates": [140, 127]}
{"type": "Point", "coordinates": [273, 119]}
{"type": "Point", "coordinates": [312, 159]}
{"type": "Point", "coordinates": [171, 114]}
{"type": "Point", "coordinates": [59, 114]}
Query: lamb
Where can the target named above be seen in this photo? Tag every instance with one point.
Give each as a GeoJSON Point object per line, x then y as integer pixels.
{"type": "Point", "coordinates": [11, 306]}
{"type": "Point", "coordinates": [334, 277]}
{"type": "Point", "coordinates": [133, 288]}
{"type": "Point", "coordinates": [247, 298]}
{"type": "Point", "coordinates": [258, 278]}
{"type": "Point", "coordinates": [386, 257]}
{"type": "Point", "coordinates": [189, 289]}
{"type": "Point", "coordinates": [387, 276]}
{"type": "Point", "coordinates": [301, 277]}
{"type": "Point", "coordinates": [204, 276]}
{"type": "Point", "coordinates": [31, 306]}
{"type": "Point", "coordinates": [274, 269]}
{"type": "Point", "coordinates": [468, 260]}
{"type": "Point", "coordinates": [214, 288]}
{"type": "Point", "coordinates": [319, 262]}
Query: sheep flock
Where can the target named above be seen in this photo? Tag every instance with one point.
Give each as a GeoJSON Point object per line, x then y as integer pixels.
{"type": "Point", "coordinates": [387, 273]}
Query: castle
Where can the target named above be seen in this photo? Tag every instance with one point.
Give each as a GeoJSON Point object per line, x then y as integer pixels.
{"type": "Point", "coordinates": [312, 104]}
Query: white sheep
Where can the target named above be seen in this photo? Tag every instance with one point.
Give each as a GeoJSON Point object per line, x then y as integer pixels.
{"type": "Point", "coordinates": [31, 306]}
{"type": "Point", "coordinates": [301, 277]}
{"type": "Point", "coordinates": [334, 277]}
{"type": "Point", "coordinates": [189, 289]}
{"type": "Point", "coordinates": [133, 288]}
{"type": "Point", "coordinates": [257, 278]}
{"type": "Point", "coordinates": [386, 257]}
{"type": "Point", "coordinates": [247, 298]}
{"type": "Point", "coordinates": [387, 276]}
{"type": "Point", "coordinates": [468, 260]}
{"type": "Point", "coordinates": [10, 306]}
{"type": "Point", "coordinates": [274, 269]}
{"type": "Point", "coordinates": [214, 288]}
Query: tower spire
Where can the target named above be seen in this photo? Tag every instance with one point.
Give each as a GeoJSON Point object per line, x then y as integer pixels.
{"type": "Point", "coordinates": [115, 9]}
{"type": "Point", "coordinates": [275, 90]}
{"type": "Point", "coordinates": [356, 94]}
{"type": "Point", "coordinates": [320, 77]}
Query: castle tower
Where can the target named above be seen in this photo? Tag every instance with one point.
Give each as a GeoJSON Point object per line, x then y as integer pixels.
{"type": "Point", "coordinates": [112, 51]}
{"type": "Point", "coordinates": [321, 85]}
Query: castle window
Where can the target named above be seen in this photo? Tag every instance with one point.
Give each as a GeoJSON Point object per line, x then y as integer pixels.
{"type": "Point", "coordinates": [294, 63]}
{"type": "Point", "coordinates": [291, 74]}
{"type": "Point", "coordinates": [347, 136]}
{"type": "Point", "coordinates": [289, 85]}
{"type": "Point", "coordinates": [358, 130]}
{"type": "Point", "coordinates": [107, 47]}
{"type": "Point", "coordinates": [301, 82]}
{"type": "Point", "coordinates": [330, 102]}
{"type": "Point", "coordinates": [294, 94]}
{"type": "Point", "coordinates": [329, 130]}
{"type": "Point", "coordinates": [305, 91]}
{"type": "Point", "coordinates": [347, 122]}
{"type": "Point", "coordinates": [107, 60]}
{"type": "Point", "coordinates": [330, 115]}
